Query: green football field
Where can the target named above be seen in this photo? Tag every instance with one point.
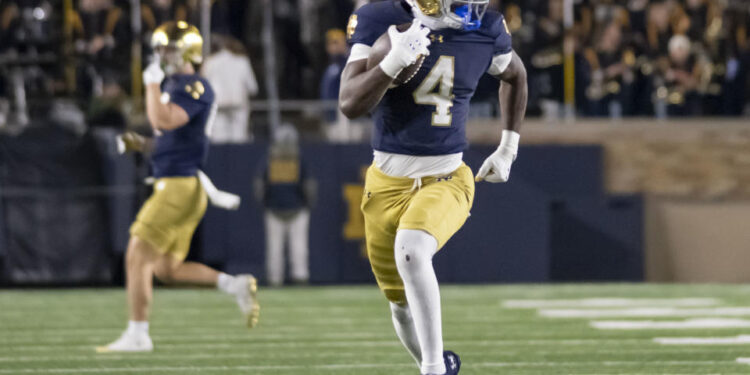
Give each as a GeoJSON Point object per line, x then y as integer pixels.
{"type": "Point", "coordinates": [518, 329]}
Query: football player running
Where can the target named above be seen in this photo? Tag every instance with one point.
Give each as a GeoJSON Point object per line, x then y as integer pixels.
{"type": "Point", "coordinates": [418, 191]}
{"type": "Point", "coordinates": [180, 107]}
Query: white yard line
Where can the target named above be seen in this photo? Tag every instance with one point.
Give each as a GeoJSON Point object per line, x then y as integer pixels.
{"type": "Point", "coordinates": [200, 368]}
{"type": "Point", "coordinates": [706, 323]}
{"type": "Point", "coordinates": [334, 367]}
{"type": "Point", "coordinates": [609, 302]}
{"type": "Point", "coordinates": [735, 340]}
{"type": "Point", "coordinates": [239, 337]}
{"type": "Point", "coordinates": [333, 344]}
{"type": "Point", "coordinates": [745, 361]}
{"type": "Point", "coordinates": [373, 352]}
{"type": "Point", "coordinates": [645, 312]}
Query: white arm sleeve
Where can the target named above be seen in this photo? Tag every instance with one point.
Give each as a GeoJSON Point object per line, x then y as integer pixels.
{"type": "Point", "coordinates": [500, 63]}
{"type": "Point", "coordinates": [359, 52]}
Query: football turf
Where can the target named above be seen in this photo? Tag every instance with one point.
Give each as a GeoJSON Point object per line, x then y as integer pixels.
{"type": "Point", "coordinates": [347, 330]}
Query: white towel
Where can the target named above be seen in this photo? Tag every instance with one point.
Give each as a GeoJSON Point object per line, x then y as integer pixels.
{"type": "Point", "coordinates": [218, 198]}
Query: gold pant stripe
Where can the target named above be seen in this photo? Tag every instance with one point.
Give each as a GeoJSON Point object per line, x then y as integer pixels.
{"type": "Point", "coordinates": [440, 207]}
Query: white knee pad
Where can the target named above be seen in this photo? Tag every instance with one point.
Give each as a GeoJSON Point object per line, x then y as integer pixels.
{"type": "Point", "coordinates": [413, 250]}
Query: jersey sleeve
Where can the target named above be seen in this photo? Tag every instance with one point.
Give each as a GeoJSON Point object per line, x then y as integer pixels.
{"type": "Point", "coordinates": [503, 41]}
{"type": "Point", "coordinates": [191, 95]}
{"type": "Point", "coordinates": [503, 47]}
{"type": "Point", "coordinates": [364, 27]}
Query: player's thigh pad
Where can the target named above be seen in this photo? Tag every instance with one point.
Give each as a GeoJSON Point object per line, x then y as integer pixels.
{"type": "Point", "coordinates": [385, 200]}
{"type": "Point", "coordinates": [169, 217]}
{"type": "Point", "coordinates": [442, 205]}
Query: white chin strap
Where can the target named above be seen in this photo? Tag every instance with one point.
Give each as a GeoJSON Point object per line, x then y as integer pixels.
{"type": "Point", "coordinates": [431, 22]}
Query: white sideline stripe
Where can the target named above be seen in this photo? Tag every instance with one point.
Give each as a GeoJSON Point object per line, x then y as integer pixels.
{"type": "Point", "coordinates": [736, 340]}
{"type": "Point", "coordinates": [608, 302]}
{"type": "Point", "coordinates": [745, 361]}
{"type": "Point", "coordinates": [343, 366]}
{"type": "Point", "coordinates": [680, 324]}
{"type": "Point", "coordinates": [645, 312]}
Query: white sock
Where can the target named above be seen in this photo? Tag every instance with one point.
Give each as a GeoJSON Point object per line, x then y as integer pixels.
{"type": "Point", "coordinates": [137, 327]}
{"type": "Point", "coordinates": [413, 251]}
{"type": "Point", "coordinates": [404, 325]}
{"type": "Point", "coordinates": [225, 283]}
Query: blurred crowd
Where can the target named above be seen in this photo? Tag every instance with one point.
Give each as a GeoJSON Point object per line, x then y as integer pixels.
{"type": "Point", "coordinates": [631, 57]}
{"type": "Point", "coordinates": [637, 57]}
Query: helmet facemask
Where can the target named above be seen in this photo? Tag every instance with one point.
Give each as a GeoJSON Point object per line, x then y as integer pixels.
{"type": "Point", "coordinates": [468, 12]}
{"type": "Point", "coordinates": [170, 59]}
{"type": "Point", "coordinates": [456, 14]}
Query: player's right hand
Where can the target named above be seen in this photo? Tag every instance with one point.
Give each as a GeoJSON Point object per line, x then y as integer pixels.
{"type": "Point", "coordinates": [153, 74]}
{"type": "Point", "coordinates": [406, 47]}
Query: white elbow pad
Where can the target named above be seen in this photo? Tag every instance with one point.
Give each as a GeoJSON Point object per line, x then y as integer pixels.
{"type": "Point", "coordinates": [500, 63]}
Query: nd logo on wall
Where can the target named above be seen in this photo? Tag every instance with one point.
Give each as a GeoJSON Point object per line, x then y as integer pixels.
{"type": "Point", "coordinates": [354, 228]}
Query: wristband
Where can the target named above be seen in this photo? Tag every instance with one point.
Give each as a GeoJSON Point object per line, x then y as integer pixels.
{"type": "Point", "coordinates": [510, 140]}
{"type": "Point", "coordinates": [391, 65]}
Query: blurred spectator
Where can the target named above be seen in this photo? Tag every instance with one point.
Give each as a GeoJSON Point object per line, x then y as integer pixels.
{"type": "Point", "coordinates": [231, 74]}
{"type": "Point", "coordinates": [156, 12]}
{"type": "Point", "coordinates": [611, 77]}
{"type": "Point", "coordinates": [9, 23]}
{"type": "Point", "coordinates": [292, 57]}
{"type": "Point", "coordinates": [678, 78]}
{"type": "Point", "coordinates": [547, 59]}
{"type": "Point", "coordinates": [29, 58]}
{"type": "Point", "coordinates": [337, 50]}
{"type": "Point", "coordinates": [109, 109]}
{"type": "Point", "coordinates": [658, 29]}
{"type": "Point", "coordinates": [101, 39]}
{"type": "Point", "coordinates": [287, 193]}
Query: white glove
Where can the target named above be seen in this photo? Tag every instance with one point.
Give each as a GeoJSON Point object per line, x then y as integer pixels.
{"type": "Point", "coordinates": [405, 48]}
{"type": "Point", "coordinates": [153, 74]}
{"type": "Point", "coordinates": [496, 168]}
{"type": "Point", "coordinates": [218, 198]}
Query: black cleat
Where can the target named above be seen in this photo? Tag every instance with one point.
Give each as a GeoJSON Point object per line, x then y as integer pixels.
{"type": "Point", "coordinates": [452, 362]}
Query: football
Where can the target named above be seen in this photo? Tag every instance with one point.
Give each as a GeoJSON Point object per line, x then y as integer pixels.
{"type": "Point", "coordinates": [381, 48]}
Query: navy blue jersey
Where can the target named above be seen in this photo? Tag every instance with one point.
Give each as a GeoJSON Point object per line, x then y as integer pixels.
{"type": "Point", "coordinates": [284, 183]}
{"type": "Point", "coordinates": [428, 114]}
{"type": "Point", "coordinates": [181, 152]}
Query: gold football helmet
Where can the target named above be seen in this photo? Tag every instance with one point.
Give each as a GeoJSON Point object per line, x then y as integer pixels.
{"type": "Point", "coordinates": [177, 43]}
{"type": "Point", "coordinates": [456, 14]}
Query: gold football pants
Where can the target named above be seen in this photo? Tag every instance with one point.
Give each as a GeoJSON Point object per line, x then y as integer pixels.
{"type": "Point", "coordinates": [440, 206]}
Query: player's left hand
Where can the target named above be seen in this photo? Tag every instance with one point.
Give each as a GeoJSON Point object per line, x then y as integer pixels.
{"type": "Point", "coordinates": [130, 142]}
{"type": "Point", "coordinates": [496, 168]}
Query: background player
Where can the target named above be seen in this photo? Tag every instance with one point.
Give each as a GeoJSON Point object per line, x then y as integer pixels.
{"type": "Point", "coordinates": [418, 192]}
{"type": "Point", "coordinates": [179, 109]}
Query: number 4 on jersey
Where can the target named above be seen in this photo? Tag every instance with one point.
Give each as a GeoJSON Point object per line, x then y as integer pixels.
{"type": "Point", "coordinates": [441, 74]}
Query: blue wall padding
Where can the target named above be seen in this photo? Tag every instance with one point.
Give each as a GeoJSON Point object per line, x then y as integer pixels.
{"type": "Point", "coordinates": [552, 222]}
{"type": "Point", "coordinates": [517, 231]}
{"type": "Point", "coordinates": [597, 239]}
